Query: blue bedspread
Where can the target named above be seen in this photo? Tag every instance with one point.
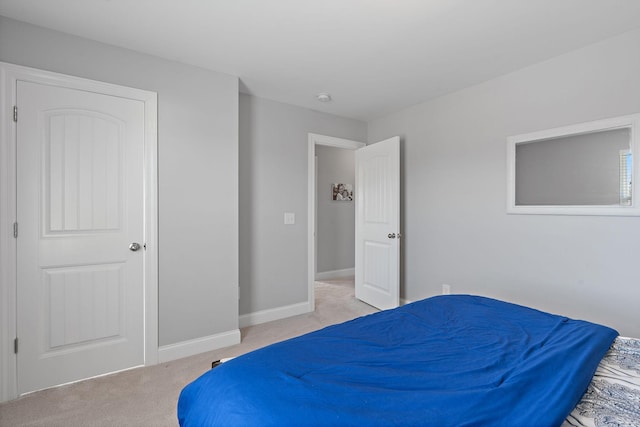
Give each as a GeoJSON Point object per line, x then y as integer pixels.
{"type": "Point", "coordinates": [454, 360]}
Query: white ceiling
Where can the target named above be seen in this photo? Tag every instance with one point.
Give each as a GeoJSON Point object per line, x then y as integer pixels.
{"type": "Point", "coordinates": [373, 56]}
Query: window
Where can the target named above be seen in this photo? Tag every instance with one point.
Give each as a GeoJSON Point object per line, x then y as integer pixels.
{"type": "Point", "coordinates": [625, 177]}
{"type": "Point", "coordinates": [583, 169]}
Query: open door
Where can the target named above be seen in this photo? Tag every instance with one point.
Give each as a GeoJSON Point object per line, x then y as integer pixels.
{"type": "Point", "coordinates": [377, 261]}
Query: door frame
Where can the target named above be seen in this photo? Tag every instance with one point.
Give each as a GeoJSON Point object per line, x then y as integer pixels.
{"type": "Point", "coordinates": [316, 139]}
{"type": "Point", "coordinates": [9, 75]}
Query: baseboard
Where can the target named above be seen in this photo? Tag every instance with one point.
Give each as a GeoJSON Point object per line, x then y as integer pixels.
{"type": "Point", "coordinates": [264, 316]}
{"type": "Point", "coordinates": [335, 274]}
{"type": "Point", "coordinates": [182, 349]}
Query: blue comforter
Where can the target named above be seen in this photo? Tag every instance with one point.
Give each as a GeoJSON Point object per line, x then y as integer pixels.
{"type": "Point", "coordinates": [454, 360]}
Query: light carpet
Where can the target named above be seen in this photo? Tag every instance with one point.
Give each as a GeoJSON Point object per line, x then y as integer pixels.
{"type": "Point", "coordinates": [148, 396]}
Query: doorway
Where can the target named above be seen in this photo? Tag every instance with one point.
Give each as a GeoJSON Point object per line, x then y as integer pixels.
{"type": "Point", "coordinates": [377, 219]}
{"type": "Point", "coordinates": [335, 213]}
{"type": "Point", "coordinates": [324, 142]}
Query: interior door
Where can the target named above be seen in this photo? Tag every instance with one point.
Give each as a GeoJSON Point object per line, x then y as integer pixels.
{"type": "Point", "coordinates": [80, 204]}
{"type": "Point", "coordinates": [377, 266]}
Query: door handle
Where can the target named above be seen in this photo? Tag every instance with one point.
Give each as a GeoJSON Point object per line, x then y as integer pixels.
{"type": "Point", "coordinates": [134, 246]}
{"type": "Point", "coordinates": [391, 235]}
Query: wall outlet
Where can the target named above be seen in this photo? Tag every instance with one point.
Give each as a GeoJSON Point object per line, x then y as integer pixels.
{"type": "Point", "coordinates": [446, 289]}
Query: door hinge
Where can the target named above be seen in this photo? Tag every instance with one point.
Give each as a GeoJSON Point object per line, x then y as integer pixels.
{"type": "Point", "coordinates": [15, 113]}
{"type": "Point", "coordinates": [15, 345]}
{"type": "Point", "coordinates": [15, 230]}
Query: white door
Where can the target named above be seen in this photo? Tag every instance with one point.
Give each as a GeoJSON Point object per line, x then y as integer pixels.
{"type": "Point", "coordinates": [377, 269]}
{"type": "Point", "coordinates": [80, 204]}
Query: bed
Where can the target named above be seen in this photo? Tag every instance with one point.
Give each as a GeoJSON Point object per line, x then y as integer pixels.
{"type": "Point", "coordinates": [613, 395]}
{"type": "Point", "coordinates": [451, 360]}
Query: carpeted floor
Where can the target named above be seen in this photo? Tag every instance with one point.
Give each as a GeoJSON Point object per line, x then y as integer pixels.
{"type": "Point", "coordinates": [148, 396]}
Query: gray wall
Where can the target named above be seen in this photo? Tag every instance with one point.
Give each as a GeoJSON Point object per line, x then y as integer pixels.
{"type": "Point", "coordinates": [273, 180]}
{"type": "Point", "coordinates": [335, 220]}
{"type": "Point", "coordinates": [456, 229]}
{"type": "Point", "coordinates": [197, 163]}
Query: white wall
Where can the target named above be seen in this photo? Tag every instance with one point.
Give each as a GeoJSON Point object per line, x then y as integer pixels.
{"type": "Point", "coordinates": [335, 220]}
{"type": "Point", "coordinates": [456, 229]}
{"type": "Point", "coordinates": [273, 180]}
{"type": "Point", "coordinates": [198, 170]}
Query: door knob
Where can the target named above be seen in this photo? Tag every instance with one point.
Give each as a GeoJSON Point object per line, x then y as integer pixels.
{"type": "Point", "coordinates": [391, 235]}
{"type": "Point", "coordinates": [134, 246]}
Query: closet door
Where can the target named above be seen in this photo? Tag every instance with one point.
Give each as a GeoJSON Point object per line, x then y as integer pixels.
{"type": "Point", "coordinates": [80, 210]}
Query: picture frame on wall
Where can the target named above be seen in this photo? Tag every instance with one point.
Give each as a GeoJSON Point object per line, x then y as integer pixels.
{"type": "Point", "coordinates": [341, 192]}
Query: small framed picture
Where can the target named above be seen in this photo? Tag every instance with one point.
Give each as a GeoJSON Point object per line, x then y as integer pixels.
{"type": "Point", "coordinates": [341, 192]}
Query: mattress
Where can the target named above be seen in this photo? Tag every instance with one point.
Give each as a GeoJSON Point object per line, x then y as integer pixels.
{"type": "Point", "coordinates": [613, 395]}
{"type": "Point", "coordinates": [455, 360]}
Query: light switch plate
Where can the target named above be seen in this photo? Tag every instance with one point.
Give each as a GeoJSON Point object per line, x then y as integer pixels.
{"type": "Point", "coordinates": [289, 218]}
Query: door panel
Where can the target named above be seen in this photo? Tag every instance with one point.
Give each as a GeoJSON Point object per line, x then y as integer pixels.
{"type": "Point", "coordinates": [82, 162]}
{"type": "Point", "coordinates": [80, 203]}
{"type": "Point", "coordinates": [83, 305]}
{"type": "Point", "coordinates": [378, 224]}
{"type": "Point", "coordinates": [376, 258]}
